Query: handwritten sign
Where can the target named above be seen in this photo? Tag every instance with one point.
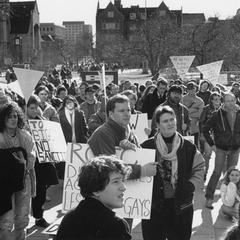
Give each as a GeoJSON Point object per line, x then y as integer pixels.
{"type": "Point", "coordinates": [182, 64]}
{"type": "Point", "coordinates": [138, 195]}
{"type": "Point", "coordinates": [49, 140]}
{"type": "Point", "coordinates": [211, 71]}
{"type": "Point", "coordinates": [138, 123]}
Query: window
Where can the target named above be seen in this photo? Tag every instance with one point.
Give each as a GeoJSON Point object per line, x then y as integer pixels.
{"type": "Point", "coordinates": [133, 16]}
{"type": "Point", "coordinates": [133, 27]}
{"type": "Point", "coordinates": [110, 25]}
{"type": "Point", "coordinates": [43, 28]}
{"type": "Point", "coordinates": [143, 16]}
{"type": "Point", "coordinates": [51, 28]}
{"type": "Point", "coordinates": [110, 14]}
{"type": "Point", "coordinates": [162, 13]}
{"type": "Point", "coordinates": [47, 29]}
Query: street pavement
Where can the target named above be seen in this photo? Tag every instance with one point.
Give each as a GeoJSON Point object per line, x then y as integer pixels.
{"type": "Point", "coordinates": [207, 224]}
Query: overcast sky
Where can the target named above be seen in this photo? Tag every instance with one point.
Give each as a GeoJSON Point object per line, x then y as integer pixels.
{"type": "Point", "coordinates": [58, 11]}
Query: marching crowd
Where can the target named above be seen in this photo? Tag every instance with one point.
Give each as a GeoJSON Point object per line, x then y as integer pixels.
{"type": "Point", "coordinates": [210, 114]}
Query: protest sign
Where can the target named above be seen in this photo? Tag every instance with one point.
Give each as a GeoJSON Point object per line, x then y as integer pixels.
{"type": "Point", "coordinates": [182, 64]}
{"type": "Point", "coordinates": [138, 123]}
{"type": "Point", "coordinates": [211, 71]}
{"type": "Point", "coordinates": [49, 140]}
{"type": "Point", "coordinates": [138, 196]}
{"type": "Point", "coordinates": [15, 87]}
{"type": "Point", "coordinates": [223, 79]}
{"type": "Point", "coordinates": [27, 79]}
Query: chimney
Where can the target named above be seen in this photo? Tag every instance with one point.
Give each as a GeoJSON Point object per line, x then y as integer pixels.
{"type": "Point", "coordinates": [117, 4]}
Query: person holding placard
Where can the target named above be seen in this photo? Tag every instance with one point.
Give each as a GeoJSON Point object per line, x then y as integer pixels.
{"type": "Point", "coordinates": [180, 171]}
{"type": "Point", "coordinates": [101, 183]}
{"type": "Point", "coordinates": [115, 132]}
{"type": "Point", "coordinates": [46, 174]}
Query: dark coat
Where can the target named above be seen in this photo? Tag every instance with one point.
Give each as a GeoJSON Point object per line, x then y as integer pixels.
{"type": "Point", "coordinates": [12, 174]}
{"type": "Point", "coordinates": [184, 188]}
{"type": "Point", "coordinates": [152, 101]}
{"type": "Point", "coordinates": [224, 137]}
{"type": "Point", "coordinates": [81, 128]}
{"type": "Point", "coordinates": [91, 220]}
{"type": "Point", "coordinates": [107, 137]}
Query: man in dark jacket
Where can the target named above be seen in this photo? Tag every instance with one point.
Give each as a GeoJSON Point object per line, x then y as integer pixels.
{"type": "Point", "coordinates": [101, 184]}
{"type": "Point", "coordinates": [225, 127]}
{"type": "Point", "coordinates": [156, 98]}
{"type": "Point", "coordinates": [180, 171]}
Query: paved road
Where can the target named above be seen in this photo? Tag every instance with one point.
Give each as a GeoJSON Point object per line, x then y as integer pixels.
{"type": "Point", "coordinates": [207, 224]}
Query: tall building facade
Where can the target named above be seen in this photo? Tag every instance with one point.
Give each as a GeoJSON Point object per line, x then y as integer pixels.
{"type": "Point", "coordinates": [74, 31]}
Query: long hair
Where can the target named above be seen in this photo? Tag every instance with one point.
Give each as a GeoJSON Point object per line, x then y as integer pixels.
{"type": "Point", "coordinates": [71, 98]}
{"type": "Point", "coordinates": [5, 112]}
{"type": "Point", "coordinates": [226, 178]}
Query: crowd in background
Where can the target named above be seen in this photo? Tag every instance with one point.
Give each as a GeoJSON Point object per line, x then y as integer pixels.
{"type": "Point", "coordinates": [208, 113]}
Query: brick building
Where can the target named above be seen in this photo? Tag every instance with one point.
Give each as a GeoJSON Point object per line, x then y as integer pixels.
{"type": "Point", "coordinates": [116, 21]}
{"type": "Point", "coordinates": [20, 40]}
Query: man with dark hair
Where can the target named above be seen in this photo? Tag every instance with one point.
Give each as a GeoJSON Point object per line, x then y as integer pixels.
{"type": "Point", "coordinates": [101, 183]}
{"type": "Point", "coordinates": [174, 97]}
{"type": "Point", "coordinates": [153, 100]}
{"type": "Point", "coordinates": [180, 171]}
{"type": "Point", "coordinates": [116, 132]}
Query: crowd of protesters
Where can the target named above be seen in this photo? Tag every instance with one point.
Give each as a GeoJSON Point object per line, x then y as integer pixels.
{"type": "Point", "coordinates": [208, 113]}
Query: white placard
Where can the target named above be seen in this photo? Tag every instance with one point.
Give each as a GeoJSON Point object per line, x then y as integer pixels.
{"type": "Point", "coordinates": [49, 140]}
{"type": "Point", "coordinates": [182, 64]}
{"type": "Point", "coordinates": [211, 71]}
{"type": "Point", "coordinates": [27, 79]}
{"type": "Point", "coordinates": [138, 123]}
{"type": "Point", "coordinates": [138, 195]}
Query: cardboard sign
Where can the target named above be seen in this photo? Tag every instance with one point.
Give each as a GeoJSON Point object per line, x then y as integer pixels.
{"type": "Point", "coordinates": [27, 79]}
{"type": "Point", "coordinates": [211, 71]}
{"type": "Point", "coordinates": [138, 123]}
{"type": "Point", "coordinates": [49, 140]}
{"type": "Point", "coordinates": [138, 194]}
{"type": "Point", "coordinates": [182, 64]}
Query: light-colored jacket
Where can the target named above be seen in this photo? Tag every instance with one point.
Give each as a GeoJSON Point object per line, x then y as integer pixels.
{"type": "Point", "coordinates": [195, 107]}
